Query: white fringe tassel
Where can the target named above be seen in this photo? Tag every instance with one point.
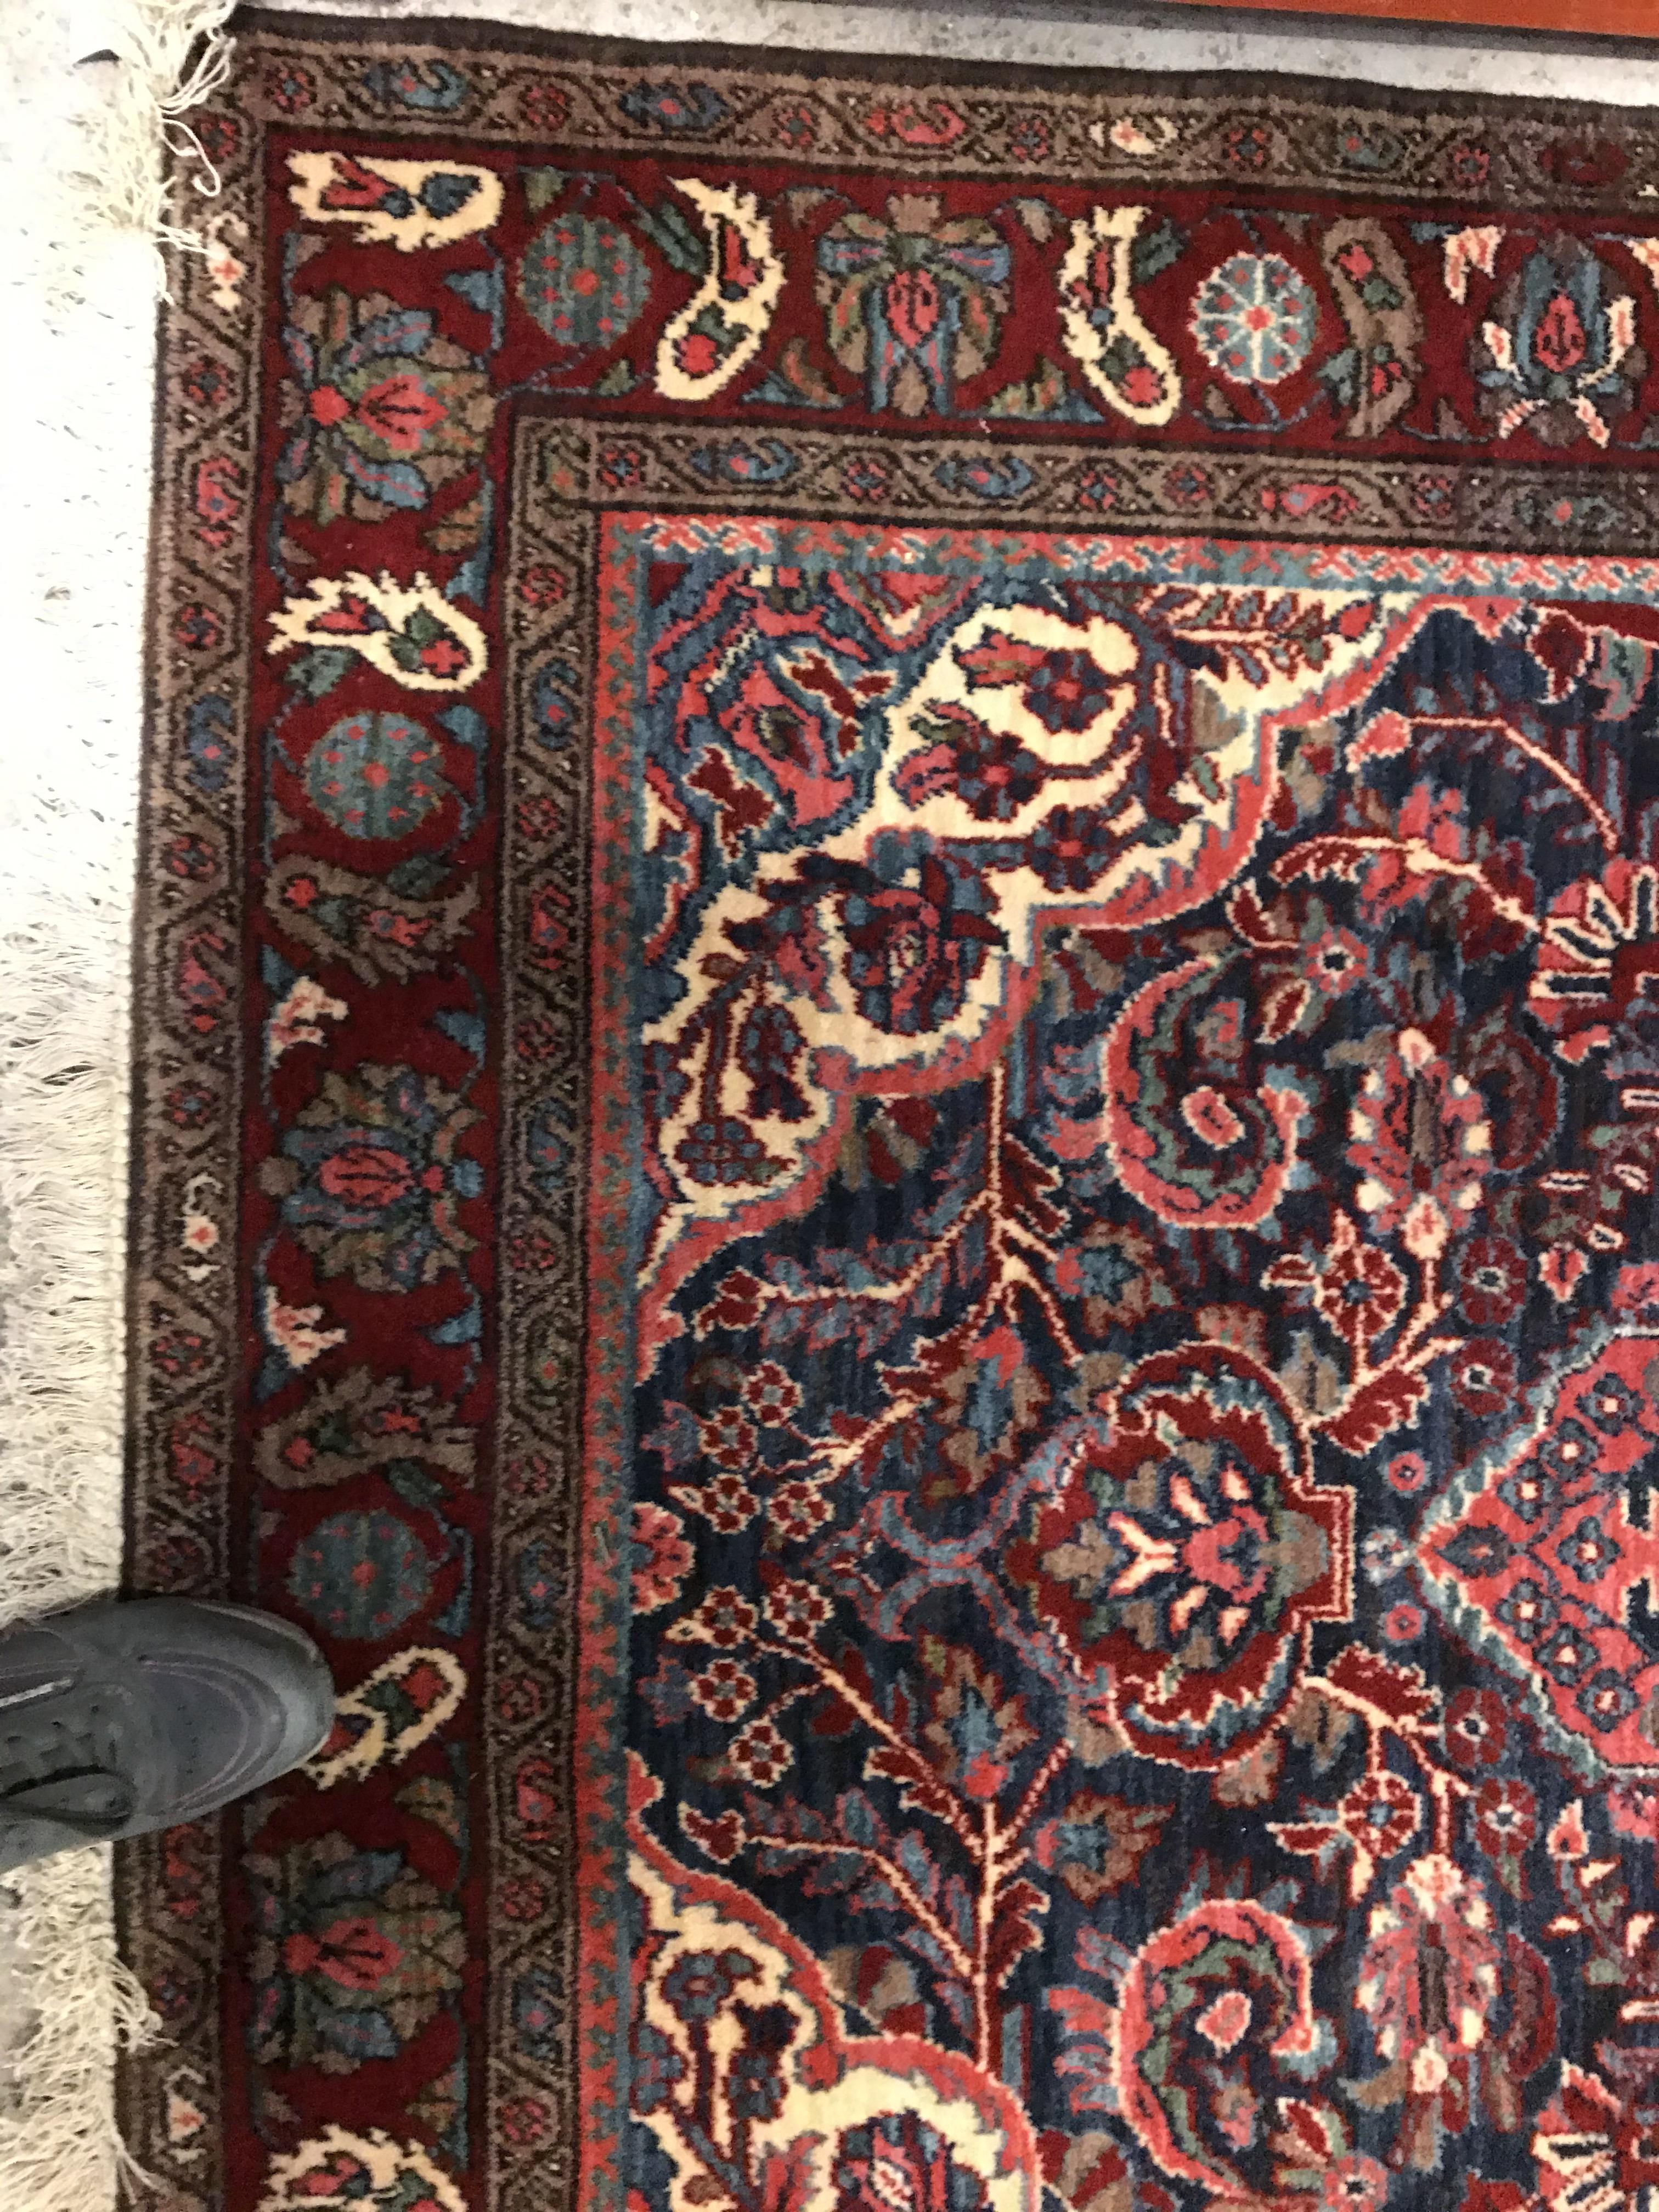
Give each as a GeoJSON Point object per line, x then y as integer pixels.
{"type": "Point", "coordinates": [124, 182]}
{"type": "Point", "coordinates": [60, 2149]}
{"type": "Point", "coordinates": [68, 842]}
{"type": "Point", "coordinates": [65, 947]}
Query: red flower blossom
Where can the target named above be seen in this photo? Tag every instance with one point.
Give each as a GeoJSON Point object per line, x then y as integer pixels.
{"type": "Point", "coordinates": [723, 1690]}
{"type": "Point", "coordinates": [1407, 1473]}
{"type": "Point", "coordinates": [290, 90]}
{"type": "Point", "coordinates": [795, 126]}
{"type": "Point", "coordinates": [726, 1439]}
{"type": "Point", "coordinates": [1475, 1732]}
{"type": "Point", "coordinates": [524, 1898]}
{"type": "Point", "coordinates": [796, 1608]}
{"type": "Point", "coordinates": [1469, 165]}
{"type": "Point", "coordinates": [1633, 1809]}
{"type": "Point", "coordinates": [798, 1510]}
{"type": "Point", "coordinates": [198, 627]}
{"type": "Point", "coordinates": [725, 1618]}
{"type": "Point", "coordinates": [697, 354]}
{"type": "Point", "coordinates": [1246, 146]}
{"type": "Point", "coordinates": [1356, 260]}
{"type": "Point", "coordinates": [771, 1395]}
{"type": "Point", "coordinates": [1492, 1281]}
{"type": "Point", "coordinates": [1360, 1290]}
{"type": "Point", "coordinates": [760, 1754]}
{"type": "Point", "coordinates": [1483, 1379]}
{"type": "Point", "coordinates": [1353, 2184]}
{"type": "Point", "coordinates": [544, 584]}
{"type": "Point", "coordinates": [726, 1502]}
{"type": "Point", "coordinates": [1505, 1818]}
{"type": "Point", "coordinates": [1380, 1814]}
{"type": "Point", "coordinates": [1097, 487]}
{"type": "Point", "coordinates": [661, 1555]}
{"type": "Point", "coordinates": [524, 2121]}
{"type": "Point", "coordinates": [544, 107]}
{"type": "Point", "coordinates": [1187, 485]}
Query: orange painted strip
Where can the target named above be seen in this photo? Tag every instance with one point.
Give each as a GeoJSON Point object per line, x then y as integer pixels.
{"type": "Point", "coordinates": [1638, 19]}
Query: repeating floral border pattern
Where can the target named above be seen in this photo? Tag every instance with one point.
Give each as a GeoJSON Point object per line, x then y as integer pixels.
{"type": "Point", "coordinates": [189, 1322]}
{"type": "Point", "coordinates": [1102, 127]}
{"type": "Point", "coordinates": [837, 472]}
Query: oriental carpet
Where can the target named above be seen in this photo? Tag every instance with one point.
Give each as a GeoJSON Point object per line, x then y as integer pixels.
{"type": "Point", "coordinates": [896, 1108]}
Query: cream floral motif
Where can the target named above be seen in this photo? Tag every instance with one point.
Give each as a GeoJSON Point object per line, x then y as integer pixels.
{"type": "Point", "coordinates": [409, 632]}
{"type": "Point", "coordinates": [720, 330]}
{"type": "Point", "coordinates": [415, 208]}
{"type": "Point", "coordinates": [1100, 321]}
{"type": "Point", "coordinates": [371, 2173]}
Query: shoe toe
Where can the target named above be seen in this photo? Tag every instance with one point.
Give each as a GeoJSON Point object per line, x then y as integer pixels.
{"type": "Point", "coordinates": [243, 1697]}
{"type": "Point", "coordinates": [165, 1708]}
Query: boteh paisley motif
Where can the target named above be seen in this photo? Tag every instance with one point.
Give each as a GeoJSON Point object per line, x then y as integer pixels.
{"type": "Point", "coordinates": [897, 1101]}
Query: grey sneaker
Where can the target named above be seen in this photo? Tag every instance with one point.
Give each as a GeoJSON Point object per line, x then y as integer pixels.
{"type": "Point", "coordinates": [117, 1717]}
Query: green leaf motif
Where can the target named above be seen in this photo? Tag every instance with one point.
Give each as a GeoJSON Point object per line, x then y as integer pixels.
{"type": "Point", "coordinates": [673, 237]}
{"type": "Point", "coordinates": [542, 187]}
{"type": "Point", "coordinates": [317, 672]}
{"type": "Point", "coordinates": [1155, 250]}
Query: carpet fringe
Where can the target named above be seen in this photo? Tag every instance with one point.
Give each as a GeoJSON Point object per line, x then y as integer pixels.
{"type": "Point", "coordinates": [124, 184]}
{"type": "Point", "coordinates": [66, 839]}
{"type": "Point", "coordinates": [67, 813]}
{"type": "Point", "coordinates": [60, 2150]}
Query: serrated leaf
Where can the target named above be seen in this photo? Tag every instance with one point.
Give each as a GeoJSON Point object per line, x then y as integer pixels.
{"type": "Point", "coordinates": [1249, 1780]}
{"type": "Point", "coordinates": [1286, 1003]}
{"type": "Point", "coordinates": [1383, 2089]}
{"type": "Point", "coordinates": [800, 200]}
{"type": "Point", "coordinates": [429, 1797]}
{"type": "Point", "coordinates": [1310, 2131]}
{"type": "Point", "coordinates": [413, 1483]}
{"type": "Point", "coordinates": [416, 877]}
{"type": "Point", "coordinates": [1388, 1402]}
{"type": "Point", "coordinates": [1341, 373]}
{"type": "Point", "coordinates": [1017, 1929]}
{"type": "Point", "coordinates": [1309, 1838]}
{"type": "Point", "coordinates": [542, 186]}
{"type": "Point", "coordinates": [318, 672]}
{"type": "Point", "coordinates": [1081, 2013]}
{"type": "Point", "coordinates": [1156, 249]}
{"type": "Point", "coordinates": [673, 237]}
{"type": "Point", "coordinates": [1393, 1687]}
{"type": "Point", "coordinates": [479, 288]}
{"type": "Point", "coordinates": [875, 1896]}
{"type": "Point", "coordinates": [857, 1818]}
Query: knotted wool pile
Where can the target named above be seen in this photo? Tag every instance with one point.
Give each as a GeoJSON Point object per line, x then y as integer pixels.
{"type": "Point", "coordinates": [897, 1099]}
